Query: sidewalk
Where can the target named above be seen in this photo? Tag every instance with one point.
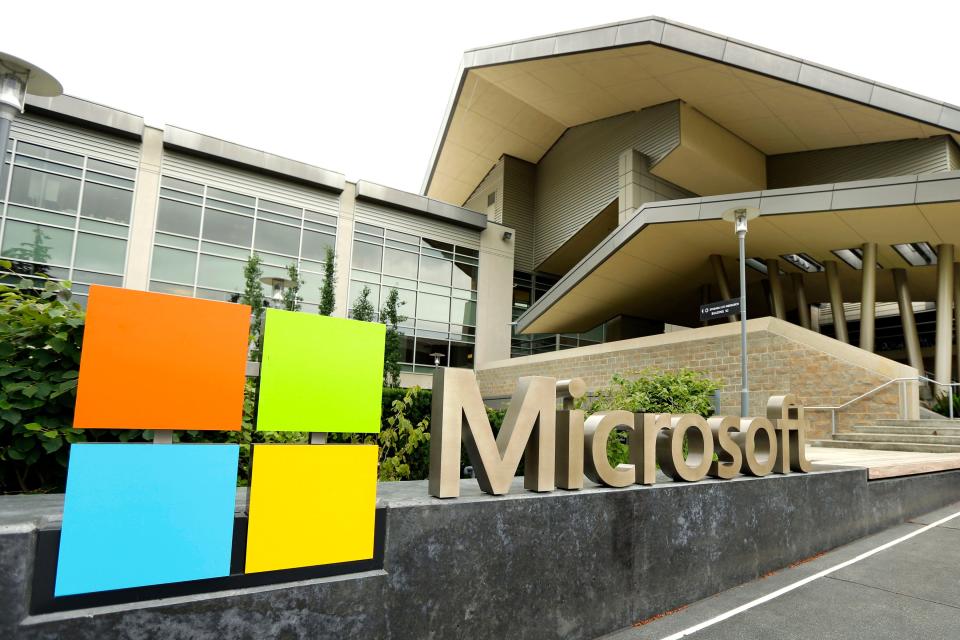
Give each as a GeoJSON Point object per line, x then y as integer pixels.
{"type": "Point", "coordinates": [909, 590]}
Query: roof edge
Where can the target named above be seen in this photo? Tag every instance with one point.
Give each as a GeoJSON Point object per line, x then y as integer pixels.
{"type": "Point", "coordinates": [420, 204]}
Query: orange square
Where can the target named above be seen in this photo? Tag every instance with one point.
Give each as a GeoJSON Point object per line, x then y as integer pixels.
{"type": "Point", "coordinates": [157, 361]}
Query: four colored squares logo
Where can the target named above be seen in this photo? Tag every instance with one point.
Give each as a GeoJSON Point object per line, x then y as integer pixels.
{"type": "Point", "coordinates": [137, 515]}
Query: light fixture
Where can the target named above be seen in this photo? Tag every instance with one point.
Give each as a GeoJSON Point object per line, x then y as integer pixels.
{"type": "Point", "coordinates": [853, 257]}
{"type": "Point", "coordinates": [507, 235]}
{"type": "Point", "coordinates": [917, 254]}
{"type": "Point", "coordinates": [757, 265]}
{"type": "Point", "coordinates": [803, 262]}
{"type": "Point", "coordinates": [436, 358]}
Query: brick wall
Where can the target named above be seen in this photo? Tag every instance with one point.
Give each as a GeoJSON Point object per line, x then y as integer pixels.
{"type": "Point", "coordinates": [782, 359]}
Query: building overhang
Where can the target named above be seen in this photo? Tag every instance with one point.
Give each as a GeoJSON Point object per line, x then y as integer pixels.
{"type": "Point", "coordinates": [87, 114]}
{"type": "Point", "coordinates": [421, 205]}
{"type": "Point", "coordinates": [518, 98]}
{"type": "Point", "coordinates": [237, 155]}
{"type": "Point", "coordinates": [654, 265]}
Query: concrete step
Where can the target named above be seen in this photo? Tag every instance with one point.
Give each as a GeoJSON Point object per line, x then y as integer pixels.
{"type": "Point", "coordinates": [939, 422]}
{"type": "Point", "coordinates": [914, 431]}
{"type": "Point", "coordinates": [887, 446]}
{"type": "Point", "coordinates": [896, 437]}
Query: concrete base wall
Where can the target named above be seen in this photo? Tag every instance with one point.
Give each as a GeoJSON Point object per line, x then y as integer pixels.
{"type": "Point", "coordinates": [782, 358]}
{"type": "Point", "coordinates": [523, 566]}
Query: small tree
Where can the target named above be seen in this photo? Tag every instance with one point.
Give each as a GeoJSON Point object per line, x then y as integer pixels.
{"type": "Point", "coordinates": [253, 296]}
{"type": "Point", "coordinates": [390, 316]}
{"type": "Point", "coordinates": [291, 295]}
{"type": "Point", "coordinates": [362, 307]}
{"type": "Point", "coordinates": [327, 295]}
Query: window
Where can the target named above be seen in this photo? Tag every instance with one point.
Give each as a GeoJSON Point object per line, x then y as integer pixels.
{"type": "Point", "coordinates": [45, 190]}
{"type": "Point", "coordinates": [107, 203]}
{"type": "Point", "coordinates": [278, 238]}
{"type": "Point", "coordinates": [47, 246]}
{"type": "Point", "coordinates": [367, 256]}
{"type": "Point", "coordinates": [400, 263]}
{"type": "Point", "coordinates": [100, 253]}
{"type": "Point", "coordinates": [173, 265]}
{"type": "Point", "coordinates": [178, 217]}
{"type": "Point", "coordinates": [227, 227]}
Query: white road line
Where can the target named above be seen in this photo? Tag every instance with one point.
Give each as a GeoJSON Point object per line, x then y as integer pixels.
{"type": "Point", "coordinates": [796, 585]}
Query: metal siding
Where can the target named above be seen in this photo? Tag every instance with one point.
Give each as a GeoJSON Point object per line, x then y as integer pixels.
{"type": "Point", "coordinates": [68, 137]}
{"type": "Point", "coordinates": [578, 177]}
{"type": "Point", "coordinates": [406, 222]}
{"type": "Point", "coordinates": [492, 183]}
{"type": "Point", "coordinates": [863, 162]}
{"type": "Point", "coordinates": [185, 167]}
{"type": "Point", "coordinates": [953, 155]}
{"type": "Point", "coordinates": [519, 178]}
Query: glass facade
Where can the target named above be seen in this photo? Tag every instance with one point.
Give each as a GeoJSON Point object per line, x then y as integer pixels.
{"type": "Point", "coordinates": [204, 235]}
{"type": "Point", "coordinates": [527, 289]}
{"type": "Point", "coordinates": [437, 282]}
{"type": "Point", "coordinates": [65, 214]}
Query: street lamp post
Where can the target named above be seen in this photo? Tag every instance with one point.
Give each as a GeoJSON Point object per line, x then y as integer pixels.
{"type": "Point", "coordinates": [739, 216]}
{"type": "Point", "coordinates": [18, 78]}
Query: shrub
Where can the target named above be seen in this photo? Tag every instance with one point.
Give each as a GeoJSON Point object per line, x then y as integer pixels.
{"type": "Point", "coordinates": [684, 391]}
{"type": "Point", "coordinates": [942, 406]}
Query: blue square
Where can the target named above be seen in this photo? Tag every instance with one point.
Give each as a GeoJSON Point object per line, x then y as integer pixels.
{"type": "Point", "coordinates": [145, 514]}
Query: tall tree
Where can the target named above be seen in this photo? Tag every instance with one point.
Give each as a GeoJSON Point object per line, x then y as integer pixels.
{"type": "Point", "coordinates": [327, 295]}
{"type": "Point", "coordinates": [362, 307]}
{"type": "Point", "coordinates": [291, 295]}
{"type": "Point", "coordinates": [390, 316]}
{"type": "Point", "coordinates": [253, 296]}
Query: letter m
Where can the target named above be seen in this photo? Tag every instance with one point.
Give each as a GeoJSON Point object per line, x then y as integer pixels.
{"type": "Point", "coordinates": [459, 415]}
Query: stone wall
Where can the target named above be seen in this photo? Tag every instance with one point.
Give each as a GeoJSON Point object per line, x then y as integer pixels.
{"type": "Point", "coordinates": [782, 358]}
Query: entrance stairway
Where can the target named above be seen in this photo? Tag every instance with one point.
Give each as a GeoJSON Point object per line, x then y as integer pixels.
{"type": "Point", "coordinates": [940, 435]}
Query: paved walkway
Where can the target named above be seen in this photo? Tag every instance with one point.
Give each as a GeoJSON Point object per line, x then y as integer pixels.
{"type": "Point", "coordinates": [884, 464]}
{"type": "Point", "coordinates": [900, 584]}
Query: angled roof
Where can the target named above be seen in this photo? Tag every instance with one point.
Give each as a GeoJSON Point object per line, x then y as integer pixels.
{"type": "Point", "coordinates": [519, 97]}
{"type": "Point", "coordinates": [653, 265]}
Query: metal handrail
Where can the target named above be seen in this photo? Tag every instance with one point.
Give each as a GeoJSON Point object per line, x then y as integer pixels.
{"type": "Point", "coordinates": [834, 409]}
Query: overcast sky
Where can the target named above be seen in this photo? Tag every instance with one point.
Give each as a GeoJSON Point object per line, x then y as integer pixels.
{"type": "Point", "coordinates": [359, 87]}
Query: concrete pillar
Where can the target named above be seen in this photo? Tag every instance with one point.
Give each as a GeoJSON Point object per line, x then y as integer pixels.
{"type": "Point", "coordinates": [494, 296]}
{"type": "Point", "coordinates": [343, 250]}
{"type": "Point", "coordinates": [803, 307]}
{"type": "Point", "coordinates": [956, 312]}
{"type": "Point", "coordinates": [143, 221]}
{"type": "Point", "coordinates": [944, 343]}
{"type": "Point", "coordinates": [720, 274]}
{"type": "Point", "coordinates": [836, 301]}
{"type": "Point", "coordinates": [634, 184]}
{"type": "Point", "coordinates": [868, 297]}
{"type": "Point", "coordinates": [910, 336]}
{"type": "Point", "coordinates": [776, 289]}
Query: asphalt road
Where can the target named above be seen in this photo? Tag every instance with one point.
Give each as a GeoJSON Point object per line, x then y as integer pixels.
{"type": "Point", "coordinates": [910, 589]}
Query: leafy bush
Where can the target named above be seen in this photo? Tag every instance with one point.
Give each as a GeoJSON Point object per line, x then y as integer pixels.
{"type": "Point", "coordinates": [40, 336]}
{"type": "Point", "coordinates": [942, 406]}
{"type": "Point", "coordinates": [684, 391]}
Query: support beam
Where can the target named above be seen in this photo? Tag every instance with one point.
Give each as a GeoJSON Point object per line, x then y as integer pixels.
{"type": "Point", "coordinates": [956, 312]}
{"type": "Point", "coordinates": [910, 336]}
{"type": "Point", "coordinates": [868, 297]}
{"type": "Point", "coordinates": [720, 273]}
{"type": "Point", "coordinates": [803, 307]}
{"type": "Point", "coordinates": [836, 301]}
{"type": "Point", "coordinates": [776, 289]}
{"type": "Point", "coordinates": [944, 344]}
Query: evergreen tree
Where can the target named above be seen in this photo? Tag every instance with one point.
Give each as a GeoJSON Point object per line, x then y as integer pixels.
{"type": "Point", "coordinates": [291, 295]}
{"type": "Point", "coordinates": [390, 316]}
{"type": "Point", "coordinates": [327, 296]}
{"type": "Point", "coordinates": [362, 307]}
{"type": "Point", "coordinates": [253, 296]}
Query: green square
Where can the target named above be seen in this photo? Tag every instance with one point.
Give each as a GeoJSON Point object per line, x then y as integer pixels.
{"type": "Point", "coordinates": [320, 374]}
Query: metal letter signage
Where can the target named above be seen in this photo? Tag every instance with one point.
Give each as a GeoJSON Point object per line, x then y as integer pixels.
{"type": "Point", "coordinates": [560, 447]}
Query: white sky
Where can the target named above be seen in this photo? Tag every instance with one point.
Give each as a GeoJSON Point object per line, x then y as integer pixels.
{"type": "Point", "coordinates": [359, 87]}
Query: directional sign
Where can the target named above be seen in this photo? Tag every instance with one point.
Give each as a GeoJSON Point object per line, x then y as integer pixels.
{"type": "Point", "coordinates": [721, 309]}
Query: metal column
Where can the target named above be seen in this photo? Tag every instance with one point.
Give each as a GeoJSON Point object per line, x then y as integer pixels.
{"type": "Point", "coordinates": [776, 289]}
{"type": "Point", "coordinates": [803, 307]}
{"type": "Point", "coordinates": [720, 273]}
{"type": "Point", "coordinates": [956, 312]}
{"type": "Point", "coordinates": [868, 297]}
{"type": "Point", "coordinates": [836, 301]}
{"type": "Point", "coordinates": [944, 348]}
{"type": "Point", "coordinates": [910, 336]}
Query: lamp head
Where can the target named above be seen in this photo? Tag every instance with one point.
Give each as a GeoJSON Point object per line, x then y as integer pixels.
{"type": "Point", "coordinates": [739, 217]}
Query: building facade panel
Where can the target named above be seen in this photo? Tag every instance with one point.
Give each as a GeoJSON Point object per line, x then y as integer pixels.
{"type": "Point", "coordinates": [863, 162]}
{"type": "Point", "coordinates": [579, 176]}
{"type": "Point", "coordinates": [67, 202]}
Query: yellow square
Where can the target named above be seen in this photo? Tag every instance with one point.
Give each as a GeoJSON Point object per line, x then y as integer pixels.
{"type": "Point", "coordinates": [311, 505]}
